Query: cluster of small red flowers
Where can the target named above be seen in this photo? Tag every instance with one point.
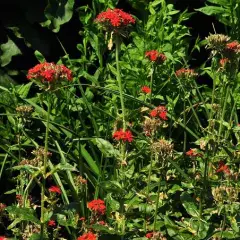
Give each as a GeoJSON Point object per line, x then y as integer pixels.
{"type": "Point", "coordinates": [185, 73]}
{"type": "Point", "coordinates": [115, 18]}
{"type": "Point", "coordinates": [222, 167]}
{"type": "Point", "coordinates": [97, 206]}
{"type": "Point", "coordinates": [126, 136]}
{"type": "Point", "coordinates": [146, 89]}
{"type": "Point", "coordinates": [160, 112]}
{"type": "Point", "coordinates": [223, 61]}
{"type": "Point", "coordinates": [2, 207]}
{"type": "Point", "coordinates": [88, 236]}
{"type": "Point", "coordinates": [193, 152]}
{"type": "Point", "coordinates": [49, 72]}
{"type": "Point", "coordinates": [51, 223]}
{"type": "Point", "coordinates": [3, 238]}
{"type": "Point", "coordinates": [55, 189]}
{"type": "Point", "coordinates": [233, 47]}
{"type": "Point", "coordinates": [149, 235]}
{"type": "Point", "coordinates": [155, 56]}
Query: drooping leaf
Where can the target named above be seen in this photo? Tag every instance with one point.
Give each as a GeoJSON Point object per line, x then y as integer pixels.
{"type": "Point", "coordinates": [24, 214]}
{"type": "Point", "coordinates": [8, 50]}
{"type": "Point", "coordinates": [59, 12]}
{"type": "Point", "coordinates": [189, 204]}
{"type": "Point", "coordinates": [106, 147]}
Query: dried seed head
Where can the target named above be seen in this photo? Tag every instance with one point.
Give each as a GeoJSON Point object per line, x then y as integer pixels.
{"type": "Point", "coordinates": [24, 110]}
{"type": "Point", "coordinates": [163, 148]}
{"type": "Point", "coordinates": [40, 152]}
{"type": "Point", "coordinates": [217, 41]}
{"type": "Point", "coordinates": [225, 194]}
{"type": "Point", "coordinates": [80, 180]}
{"type": "Point", "coordinates": [186, 73]}
{"type": "Point", "coordinates": [150, 125]}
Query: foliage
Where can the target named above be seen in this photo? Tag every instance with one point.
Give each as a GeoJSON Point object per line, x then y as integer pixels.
{"type": "Point", "coordinates": [96, 156]}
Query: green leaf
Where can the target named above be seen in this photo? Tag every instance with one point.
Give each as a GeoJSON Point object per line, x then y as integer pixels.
{"type": "Point", "coordinates": [92, 164]}
{"type": "Point", "coordinates": [220, 2]}
{"type": "Point", "coordinates": [189, 204]}
{"type": "Point", "coordinates": [112, 186]}
{"type": "Point", "coordinates": [24, 214]}
{"type": "Point", "coordinates": [24, 89]}
{"type": "Point", "coordinates": [106, 147]}
{"type": "Point", "coordinates": [102, 228]}
{"type": "Point", "coordinates": [9, 49]}
{"type": "Point", "coordinates": [174, 189]}
{"type": "Point", "coordinates": [35, 236]}
{"type": "Point", "coordinates": [58, 12]}
{"type": "Point", "coordinates": [212, 10]}
{"type": "Point", "coordinates": [39, 56]}
{"type": "Point", "coordinates": [14, 223]}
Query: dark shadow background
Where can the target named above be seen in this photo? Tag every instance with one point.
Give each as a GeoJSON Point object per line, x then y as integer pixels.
{"type": "Point", "coordinates": [14, 12]}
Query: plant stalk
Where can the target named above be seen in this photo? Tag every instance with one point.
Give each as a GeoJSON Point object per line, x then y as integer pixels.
{"type": "Point", "coordinates": [45, 168]}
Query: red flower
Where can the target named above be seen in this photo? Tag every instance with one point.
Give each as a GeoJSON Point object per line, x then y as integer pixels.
{"type": "Point", "coordinates": [82, 218]}
{"type": "Point", "coordinates": [2, 207]}
{"type": "Point", "coordinates": [193, 153]}
{"type": "Point", "coordinates": [49, 72]}
{"type": "Point", "coordinates": [101, 223]}
{"type": "Point", "coordinates": [55, 189]}
{"type": "Point", "coordinates": [223, 61]}
{"type": "Point", "coordinates": [97, 206]}
{"type": "Point", "coordinates": [222, 167]}
{"type": "Point", "coordinates": [185, 72]}
{"type": "Point", "coordinates": [163, 115]}
{"type": "Point", "coordinates": [88, 236]}
{"type": "Point", "coordinates": [149, 235]}
{"type": "Point", "coordinates": [115, 18]}
{"type": "Point", "coordinates": [155, 56]}
{"type": "Point", "coordinates": [3, 238]}
{"type": "Point", "coordinates": [146, 89]}
{"type": "Point", "coordinates": [121, 135]}
{"type": "Point", "coordinates": [160, 112]}
{"type": "Point", "coordinates": [51, 223]}
{"type": "Point", "coordinates": [233, 46]}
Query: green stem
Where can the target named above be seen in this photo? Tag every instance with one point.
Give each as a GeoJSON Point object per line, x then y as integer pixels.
{"type": "Point", "coordinates": [148, 190]}
{"type": "Point", "coordinates": [223, 113]}
{"type": "Point", "coordinates": [157, 204]}
{"type": "Point", "coordinates": [45, 168]}
{"type": "Point", "coordinates": [151, 83]}
{"type": "Point", "coordinates": [201, 98]}
{"type": "Point", "coordinates": [184, 122]}
{"type": "Point", "coordinates": [120, 82]}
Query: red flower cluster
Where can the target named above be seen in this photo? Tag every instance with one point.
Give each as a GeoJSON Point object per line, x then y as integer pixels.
{"type": "Point", "coordinates": [149, 235]}
{"type": "Point", "coordinates": [115, 18]}
{"type": "Point", "coordinates": [160, 112]}
{"type": "Point", "coordinates": [193, 153]}
{"type": "Point", "coordinates": [3, 238]}
{"type": "Point", "coordinates": [97, 206]}
{"type": "Point", "coordinates": [185, 73]}
{"type": "Point", "coordinates": [155, 56]}
{"type": "Point", "coordinates": [223, 61]}
{"type": "Point", "coordinates": [146, 89]}
{"type": "Point", "coordinates": [49, 72]}
{"type": "Point", "coordinates": [126, 136]}
{"type": "Point", "coordinates": [51, 223]}
{"type": "Point", "coordinates": [55, 189]}
{"type": "Point", "coordinates": [222, 167]}
{"type": "Point", "coordinates": [88, 236]}
{"type": "Point", "coordinates": [233, 46]}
